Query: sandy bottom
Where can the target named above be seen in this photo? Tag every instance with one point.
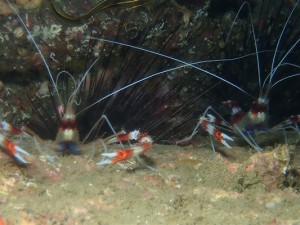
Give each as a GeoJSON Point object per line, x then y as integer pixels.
{"type": "Point", "coordinates": [187, 187]}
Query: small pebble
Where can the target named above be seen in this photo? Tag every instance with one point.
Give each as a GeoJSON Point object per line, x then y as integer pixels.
{"type": "Point", "coordinates": [273, 202]}
{"type": "Point", "coordinates": [19, 32]}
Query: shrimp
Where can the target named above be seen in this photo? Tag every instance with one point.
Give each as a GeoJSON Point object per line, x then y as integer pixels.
{"type": "Point", "coordinates": [256, 119]}
{"type": "Point", "coordinates": [67, 137]}
{"type": "Point", "coordinates": [67, 140]}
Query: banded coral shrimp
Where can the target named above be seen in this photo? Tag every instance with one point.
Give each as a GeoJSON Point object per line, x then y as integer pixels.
{"type": "Point", "coordinates": [140, 94]}
{"type": "Point", "coordinates": [63, 120]}
{"type": "Point", "coordinates": [130, 67]}
{"type": "Point", "coordinates": [76, 194]}
{"type": "Point", "coordinates": [44, 121]}
{"type": "Point", "coordinates": [274, 68]}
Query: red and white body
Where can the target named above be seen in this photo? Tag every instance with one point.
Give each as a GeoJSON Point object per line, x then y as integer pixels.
{"type": "Point", "coordinates": [144, 143]}
{"type": "Point", "coordinates": [9, 146]}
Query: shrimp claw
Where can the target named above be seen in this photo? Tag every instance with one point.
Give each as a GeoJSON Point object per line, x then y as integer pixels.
{"type": "Point", "coordinates": [217, 134]}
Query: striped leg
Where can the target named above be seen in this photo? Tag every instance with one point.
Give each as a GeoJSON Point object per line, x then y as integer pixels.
{"type": "Point", "coordinates": [133, 135]}
{"type": "Point", "coordinates": [125, 154]}
{"type": "Point", "coordinates": [217, 134]}
{"type": "Point", "coordinates": [13, 150]}
{"type": "Point", "coordinates": [144, 144]}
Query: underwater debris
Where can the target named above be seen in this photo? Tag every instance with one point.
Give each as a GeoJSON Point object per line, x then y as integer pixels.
{"type": "Point", "coordinates": [271, 166]}
{"type": "Point", "coordinates": [47, 33]}
{"type": "Point", "coordinates": [19, 32]}
{"type": "Point", "coordinates": [101, 6]}
{"type": "Point", "coordinates": [4, 8]}
{"type": "Point", "coordinates": [30, 4]}
{"type": "Point", "coordinates": [270, 170]}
